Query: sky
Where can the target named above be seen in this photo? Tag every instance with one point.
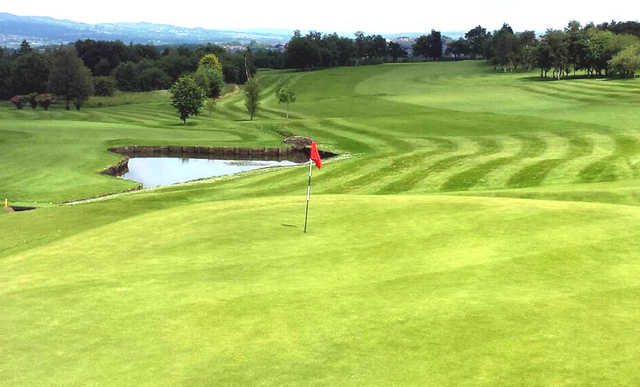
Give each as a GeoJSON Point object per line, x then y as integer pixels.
{"type": "Point", "coordinates": [336, 15]}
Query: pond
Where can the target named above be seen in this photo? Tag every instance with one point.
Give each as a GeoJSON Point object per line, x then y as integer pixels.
{"type": "Point", "coordinates": [160, 171]}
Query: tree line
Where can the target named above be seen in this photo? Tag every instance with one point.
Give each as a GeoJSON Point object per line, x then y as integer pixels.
{"type": "Point", "coordinates": [608, 49]}
{"type": "Point", "coordinates": [112, 64]}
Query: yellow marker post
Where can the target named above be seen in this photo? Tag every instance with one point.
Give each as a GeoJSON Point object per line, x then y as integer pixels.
{"type": "Point", "coordinates": [6, 203]}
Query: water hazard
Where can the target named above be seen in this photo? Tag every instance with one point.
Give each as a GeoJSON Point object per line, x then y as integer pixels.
{"type": "Point", "coordinates": [160, 171]}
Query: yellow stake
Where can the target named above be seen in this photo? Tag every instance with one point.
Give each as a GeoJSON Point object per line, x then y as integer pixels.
{"type": "Point", "coordinates": [6, 203]}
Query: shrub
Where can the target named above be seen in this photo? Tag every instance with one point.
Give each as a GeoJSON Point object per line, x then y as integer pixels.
{"type": "Point", "coordinates": [104, 86]}
{"type": "Point", "coordinates": [18, 101]}
{"type": "Point", "coordinates": [44, 100]}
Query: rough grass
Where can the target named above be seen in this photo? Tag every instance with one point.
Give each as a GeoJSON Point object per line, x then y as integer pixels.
{"type": "Point", "coordinates": [479, 229]}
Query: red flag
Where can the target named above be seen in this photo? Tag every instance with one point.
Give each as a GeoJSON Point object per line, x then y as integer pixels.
{"type": "Point", "coordinates": [315, 156]}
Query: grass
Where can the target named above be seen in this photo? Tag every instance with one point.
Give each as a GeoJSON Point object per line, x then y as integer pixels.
{"type": "Point", "coordinates": [478, 229]}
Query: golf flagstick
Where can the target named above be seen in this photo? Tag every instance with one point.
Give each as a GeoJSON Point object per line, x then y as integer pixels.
{"type": "Point", "coordinates": [306, 212]}
{"type": "Point", "coordinates": [314, 157]}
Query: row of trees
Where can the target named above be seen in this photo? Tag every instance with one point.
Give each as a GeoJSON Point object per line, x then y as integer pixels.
{"type": "Point", "coordinates": [316, 50]}
{"type": "Point", "coordinates": [62, 73]}
{"type": "Point", "coordinates": [594, 50]}
{"type": "Point", "coordinates": [132, 67]}
{"type": "Point", "coordinates": [603, 50]}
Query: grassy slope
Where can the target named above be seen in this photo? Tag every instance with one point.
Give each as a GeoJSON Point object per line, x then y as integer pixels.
{"type": "Point", "coordinates": [214, 282]}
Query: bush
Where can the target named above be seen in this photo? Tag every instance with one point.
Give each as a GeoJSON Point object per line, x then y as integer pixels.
{"type": "Point", "coordinates": [104, 86]}
{"type": "Point", "coordinates": [18, 101]}
{"type": "Point", "coordinates": [44, 100]}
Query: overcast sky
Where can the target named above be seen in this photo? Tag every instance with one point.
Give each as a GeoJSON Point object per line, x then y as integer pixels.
{"type": "Point", "coordinates": [336, 15]}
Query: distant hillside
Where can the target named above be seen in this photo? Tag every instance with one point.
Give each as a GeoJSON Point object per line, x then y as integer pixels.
{"type": "Point", "coordinates": [46, 30]}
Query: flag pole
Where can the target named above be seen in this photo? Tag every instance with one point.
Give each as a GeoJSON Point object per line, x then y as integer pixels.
{"type": "Point", "coordinates": [306, 213]}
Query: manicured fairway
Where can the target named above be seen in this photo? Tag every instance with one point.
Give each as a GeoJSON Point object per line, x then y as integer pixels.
{"type": "Point", "coordinates": [478, 229]}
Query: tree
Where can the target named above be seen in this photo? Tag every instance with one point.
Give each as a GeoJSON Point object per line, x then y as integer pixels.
{"type": "Point", "coordinates": [435, 45]}
{"type": "Point", "coordinates": [187, 97]}
{"type": "Point", "coordinates": [126, 76]}
{"type": "Point", "coordinates": [302, 53]}
{"type": "Point", "coordinates": [30, 72]}
{"type": "Point", "coordinates": [209, 77]}
{"type": "Point", "coordinates": [559, 49]}
{"type": "Point", "coordinates": [626, 62]}
{"type": "Point", "coordinates": [477, 39]}
{"type": "Point", "coordinates": [69, 77]}
{"type": "Point", "coordinates": [210, 60]}
{"type": "Point", "coordinates": [286, 96]}
{"type": "Point", "coordinates": [252, 96]}
{"type": "Point", "coordinates": [25, 48]}
{"type": "Point", "coordinates": [152, 78]}
{"type": "Point", "coordinates": [458, 48]}
{"type": "Point", "coordinates": [104, 86]}
{"type": "Point", "coordinates": [421, 46]}
{"type": "Point", "coordinates": [396, 51]}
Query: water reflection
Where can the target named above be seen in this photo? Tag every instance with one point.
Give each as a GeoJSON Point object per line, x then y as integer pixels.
{"type": "Point", "coordinates": [159, 171]}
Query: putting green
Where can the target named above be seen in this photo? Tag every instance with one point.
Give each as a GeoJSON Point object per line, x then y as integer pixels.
{"type": "Point", "coordinates": [410, 290]}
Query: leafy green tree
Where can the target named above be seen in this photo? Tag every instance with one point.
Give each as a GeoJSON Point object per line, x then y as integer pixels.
{"type": "Point", "coordinates": [543, 58]}
{"type": "Point", "coordinates": [627, 62]}
{"type": "Point", "coordinates": [478, 39]}
{"type": "Point", "coordinates": [126, 76]}
{"type": "Point", "coordinates": [421, 46]}
{"type": "Point", "coordinates": [286, 96]}
{"type": "Point", "coordinates": [576, 45]}
{"type": "Point", "coordinates": [458, 48]}
{"type": "Point", "coordinates": [104, 86]}
{"type": "Point", "coordinates": [302, 53]}
{"type": "Point", "coordinates": [187, 97]}
{"type": "Point", "coordinates": [210, 78]}
{"type": "Point", "coordinates": [559, 45]}
{"type": "Point", "coordinates": [25, 48]}
{"type": "Point", "coordinates": [505, 48]}
{"type": "Point", "coordinates": [152, 78]}
{"type": "Point", "coordinates": [69, 77]}
{"type": "Point", "coordinates": [396, 51]}
{"type": "Point", "coordinates": [30, 72]}
{"type": "Point", "coordinates": [378, 47]}
{"type": "Point", "coordinates": [252, 97]}
{"type": "Point", "coordinates": [210, 60]}
{"type": "Point", "coordinates": [435, 45]}
{"type": "Point", "coordinates": [6, 75]}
